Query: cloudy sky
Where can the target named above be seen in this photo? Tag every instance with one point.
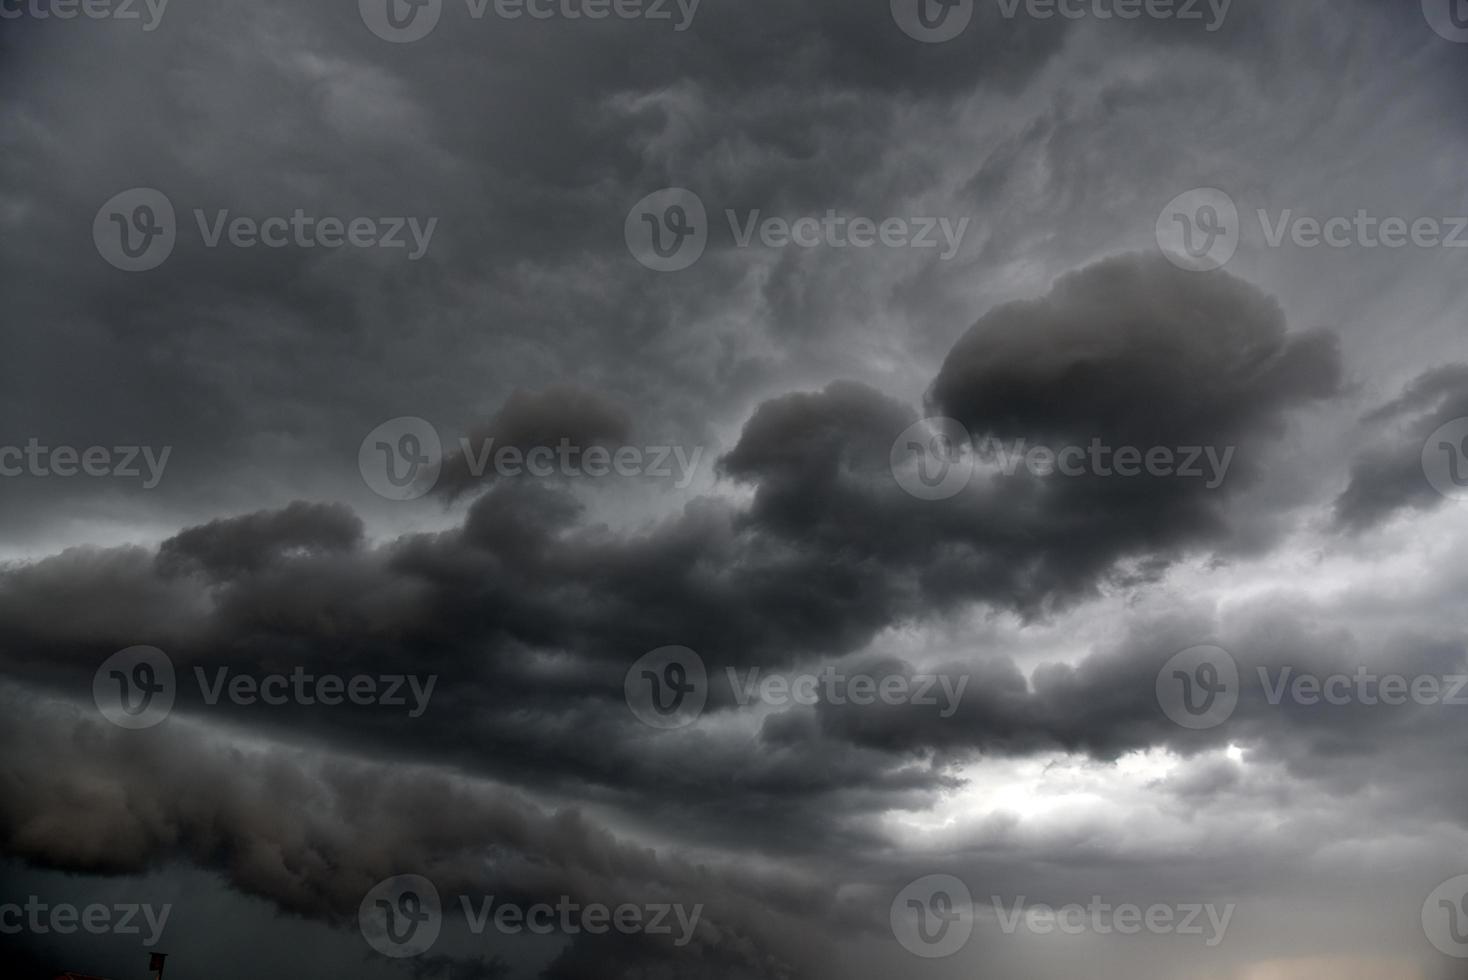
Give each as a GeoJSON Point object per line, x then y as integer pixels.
{"type": "Point", "coordinates": [841, 480]}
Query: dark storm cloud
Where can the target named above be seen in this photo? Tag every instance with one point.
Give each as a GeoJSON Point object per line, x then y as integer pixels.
{"type": "Point", "coordinates": [1140, 353]}
{"type": "Point", "coordinates": [1131, 352]}
{"type": "Point", "coordinates": [315, 835]}
{"type": "Point", "coordinates": [528, 322]}
{"type": "Point", "coordinates": [829, 552]}
{"type": "Point", "coordinates": [1388, 474]}
{"type": "Point", "coordinates": [548, 417]}
{"type": "Point", "coordinates": [230, 547]}
{"type": "Point", "coordinates": [1106, 705]}
{"type": "Point", "coordinates": [253, 363]}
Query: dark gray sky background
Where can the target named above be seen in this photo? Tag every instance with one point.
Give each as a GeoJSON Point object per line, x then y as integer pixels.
{"type": "Point", "coordinates": [783, 376]}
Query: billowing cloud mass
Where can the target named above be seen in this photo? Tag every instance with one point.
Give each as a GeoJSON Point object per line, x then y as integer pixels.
{"type": "Point", "coordinates": [1071, 566]}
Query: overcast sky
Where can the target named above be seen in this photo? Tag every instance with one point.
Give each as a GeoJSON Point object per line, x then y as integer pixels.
{"type": "Point", "coordinates": [853, 476]}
